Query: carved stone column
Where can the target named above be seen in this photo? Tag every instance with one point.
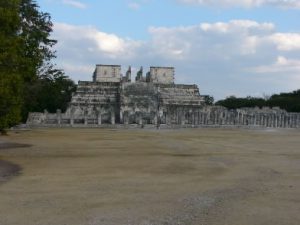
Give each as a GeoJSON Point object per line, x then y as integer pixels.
{"type": "Point", "coordinates": [155, 119]}
{"type": "Point", "coordinates": [112, 116]}
{"type": "Point", "coordinates": [58, 116]}
{"type": "Point", "coordinates": [46, 116]}
{"type": "Point", "coordinates": [71, 117]}
{"type": "Point", "coordinates": [126, 117]}
{"type": "Point", "coordinates": [182, 119]}
{"type": "Point", "coordinates": [99, 118]}
{"type": "Point", "coordinates": [121, 117]}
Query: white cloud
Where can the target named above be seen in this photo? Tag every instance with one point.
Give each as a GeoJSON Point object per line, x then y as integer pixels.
{"type": "Point", "coordinates": [94, 40]}
{"type": "Point", "coordinates": [286, 41]}
{"type": "Point", "coordinates": [75, 4]}
{"type": "Point", "coordinates": [281, 65]}
{"type": "Point", "coordinates": [245, 3]}
{"type": "Point", "coordinates": [239, 56]}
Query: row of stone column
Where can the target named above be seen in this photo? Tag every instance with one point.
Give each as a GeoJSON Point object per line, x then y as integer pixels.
{"type": "Point", "coordinates": [85, 118]}
{"type": "Point", "coordinates": [198, 117]}
{"type": "Point", "coordinates": [182, 116]}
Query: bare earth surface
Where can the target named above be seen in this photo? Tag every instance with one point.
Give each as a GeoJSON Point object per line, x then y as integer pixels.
{"type": "Point", "coordinates": [143, 177]}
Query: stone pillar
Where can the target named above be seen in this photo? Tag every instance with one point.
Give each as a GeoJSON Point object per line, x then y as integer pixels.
{"type": "Point", "coordinates": [85, 119]}
{"type": "Point", "coordinates": [112, 117]}
{"type": "Point", "coordinates": [294, 121]}
{"type": "Point", "coordinates": [198, 117]}
{"type": "Point", "coordinates": [99, 118]}
{"type": "Point", "coordinates": [58, 116]}
{"type": "Point", "coordinates": [46, 116]}
{"type": "Point", "coordinates": [155, 120]}
{"type": "Point", "coordinates": [206, 118]}
{"type": "Point", "coordinates": [215, 117]}
{"type": "Point", "coordinates": [168, 117]}
{"type": "Point", "coordinates": [175, 116]}
{"type": "Point", "coordinates": [242, 119]}
{"type": "Point", "coordinates": [71, 118]}
{"type": "Point", "coordinates": [182, 119]}
{"type": "Point", "coordinates": [121, 117]}
{"type": "Point", "coordinates": [281, 120]}
{"type": "Point", "coordinates": [227, 118]}
{"type": "Point", "coordinates": [258, 119]}
{"type": "Point", "coordinates": [265, 120]}
{"type": "Point", "coordinates": [126, 117]}
{"type": "Point", "coordinates": [193, 117]}
{"type": "Point", "coordinates": [140, 119]}
{"type": "Point", "coordinates": [203, 118]}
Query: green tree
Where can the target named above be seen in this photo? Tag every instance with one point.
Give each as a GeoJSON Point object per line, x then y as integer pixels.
{"type": "Point", "coordinates": [35, 30]}
{"type": "Point", "coordinates": [25, 62]}
{"type": "Point", "coordinates": [208, 100]}
{"type": "Point", "coordinates": [10, 64]}
{"type": "Point", "coordinates": [288, 101]}
{"type": "Point", "coordinates": [233, 102]}
{"type": "Point", "coordinates": [49, 92]}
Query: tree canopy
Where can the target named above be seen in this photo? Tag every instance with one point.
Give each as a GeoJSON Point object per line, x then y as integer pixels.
{"type": "Point", "coordinates": [10, 63]}
{"type": "Point", "coordinates": [288, 101]}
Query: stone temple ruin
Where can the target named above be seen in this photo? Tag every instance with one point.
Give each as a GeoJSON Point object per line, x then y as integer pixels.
{"type": "Point", "coordinates": [152, 100]}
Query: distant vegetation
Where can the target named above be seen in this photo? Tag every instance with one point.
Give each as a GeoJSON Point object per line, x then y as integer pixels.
{"type": "Point", "coordinates": [288, 101]}
{"type": "Point", "coordinates": [29, 80]}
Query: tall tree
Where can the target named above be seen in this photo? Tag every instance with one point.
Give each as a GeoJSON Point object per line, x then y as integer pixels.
{"type": "Point", "coordinates": [10, 64]}
{"type": "Point", "coordinates": [25, 60]}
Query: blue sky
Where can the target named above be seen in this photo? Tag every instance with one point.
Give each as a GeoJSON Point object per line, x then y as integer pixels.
{"type": "Point", "coordinates": [227, 47]}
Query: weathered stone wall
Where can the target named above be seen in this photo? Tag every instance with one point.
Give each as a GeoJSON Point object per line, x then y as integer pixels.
{"type": "Point", "coordinates": [95, 103]}
{"type": "Point", "coordinates": [139, 103]}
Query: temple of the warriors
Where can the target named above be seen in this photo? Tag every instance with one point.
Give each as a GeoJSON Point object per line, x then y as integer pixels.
{"type": "Point", "coordinates": [112, 99]}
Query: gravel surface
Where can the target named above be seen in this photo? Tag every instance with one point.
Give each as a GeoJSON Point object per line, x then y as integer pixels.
{"type": "Point", "coordinates": [150, 177]}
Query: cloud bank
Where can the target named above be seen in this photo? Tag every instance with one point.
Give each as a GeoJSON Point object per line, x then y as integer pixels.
{"type": "Point", "coordinates": [239, 57]}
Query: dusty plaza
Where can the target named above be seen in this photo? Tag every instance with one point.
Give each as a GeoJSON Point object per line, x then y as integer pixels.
{"type": "Point", "coordinates": [142, 177]}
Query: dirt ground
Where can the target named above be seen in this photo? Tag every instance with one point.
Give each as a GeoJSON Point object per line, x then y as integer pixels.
{"type": "Point", "coordinates": [143, 177]}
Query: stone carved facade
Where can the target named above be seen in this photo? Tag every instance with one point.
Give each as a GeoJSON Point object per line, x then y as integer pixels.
{"type": "Point", "coordinates": [153, 100]}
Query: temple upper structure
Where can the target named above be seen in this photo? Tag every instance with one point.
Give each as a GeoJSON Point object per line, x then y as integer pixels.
{"type": "Point", "coordinates": [107, 73]}
{"type": "Point", "coordinates": [162, 75]}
